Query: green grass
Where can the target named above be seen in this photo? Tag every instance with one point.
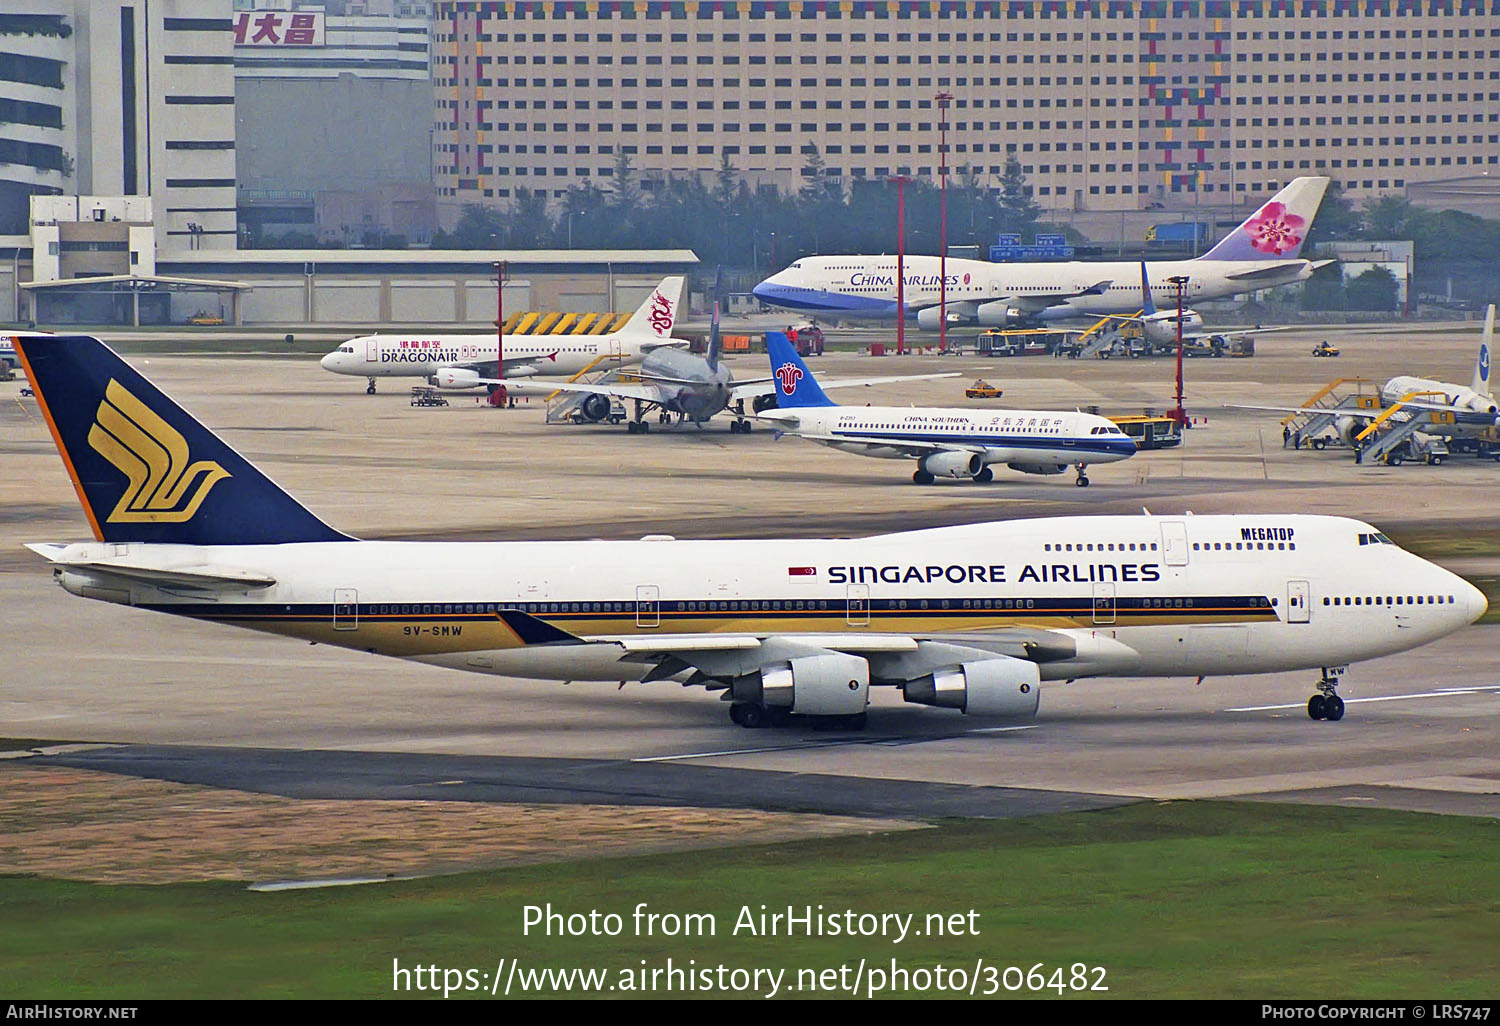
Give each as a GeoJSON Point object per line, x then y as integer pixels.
{"type": "Point", "coordinates": [1174, 900]}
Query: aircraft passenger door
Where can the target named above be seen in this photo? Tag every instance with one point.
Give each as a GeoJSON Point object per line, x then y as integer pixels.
{"type": "Point", "coordinates": [612, 348]}
{"type": "Point", "coordinates": [858, 614]}
{"type": "Point", "coordinates": [372, 351]}
{"type": "Point", "coordinates": [1174, 543]}
{"type": "Point", "coordinates": [647, 605]}
{"type": "Point", "coordinates": [1297, 608]}
{"type": "Point", "coordinates": [345, 609]}
{"type": "Point", "coordinates": [1104, 602]}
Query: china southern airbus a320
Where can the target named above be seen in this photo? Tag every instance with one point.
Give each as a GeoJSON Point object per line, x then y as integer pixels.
{"type": "Point", "coordinates": [971, 618]}
{"type": "Point", "coordinates": [1262, 252]}
{"type": "Point", "coordinates": [954, 443]}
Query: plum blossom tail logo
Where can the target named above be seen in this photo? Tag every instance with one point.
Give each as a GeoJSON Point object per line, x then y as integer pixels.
{"type": "Point", "coordinates": [1274, 230]}
{"type": "Point", "coordinates": [163, 487]}
{"type": "Point", "coordinates": [661, 314]}
{"type": "Point", "coordinates": [787, 375]}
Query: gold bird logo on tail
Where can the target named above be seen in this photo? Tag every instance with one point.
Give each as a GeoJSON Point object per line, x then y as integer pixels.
{"type": "Point", "coordinates": [153, 455]}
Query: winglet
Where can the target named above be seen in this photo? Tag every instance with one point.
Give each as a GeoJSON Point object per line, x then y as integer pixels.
{"type": "Point", "coordinates": [144, 468]}
{"type": "Point", "coordinates": [795, 384]}
{"type": "Point", "coordinates": [1278, 229]}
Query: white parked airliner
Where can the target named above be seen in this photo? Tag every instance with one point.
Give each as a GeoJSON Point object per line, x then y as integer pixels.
{"type": "Point", "coordinates": [469, 361]}
{"type": "Point", "coordinates": [1262, 252]}
{"type": "Point", "coordinates": [971, 618]}
{"type": "Point", "coordinates": [955, 443]}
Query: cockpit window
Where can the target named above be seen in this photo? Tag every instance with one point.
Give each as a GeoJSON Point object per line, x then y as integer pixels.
{"type": "Point", "coordinates": [1375, 538]}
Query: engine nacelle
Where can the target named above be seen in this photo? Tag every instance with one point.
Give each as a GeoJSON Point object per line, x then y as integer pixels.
{"type": "Point", "coordinates": [1161, 328]}
{"type": "Point", "coordinates": [1038, 468]}
{"type": "Point", "coordinates": [594, 407]}
{"type": "Point", "coordinates": [455, 378]}
{"type": "Point", "coordinates": [833, 684]}
{"type": "Point", "coordinates": [952, 464]}
{"type": "Point", "coordinates": [1347, 428]}
{"type": "Point", "coordinates": [762, 403]}
{"type": "Point", "coordinates": [1471, 400]}
{"type": "Point", "coordinates": [986, 687]}
{"type": "Point", "coordinates": [929, 319]}
{"type": "Point", "coordinates": [998, 315]}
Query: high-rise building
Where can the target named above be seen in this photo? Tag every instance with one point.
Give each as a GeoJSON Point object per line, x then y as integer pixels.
{"type": "Point", "coordinates": [1109, 105]}
{"type": "Point", "coordinates": [121, 99]}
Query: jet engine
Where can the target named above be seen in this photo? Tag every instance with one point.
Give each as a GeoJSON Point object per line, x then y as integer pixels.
{"type": "Point", "coordinates": [986, 687]}
{"type": "Point", "coordinates": [998, 315]}
{"type": "Point", "coordinates": [1160, 328]}
{"type": "Point", "coordinates": [1348, 427]}
{"type": "Point", "coordinates": [1469, 399]}
{"type": "Point", "coordinates": [1038, 468]}
{"type": "Point", "coordinates": [952, 464]}
{"type": "Point", "coordinates": [830, 684]}
{"type": "Point", "coordinates": [762, 403]}
{"type": "Point", "coordinates": [455, 378]}
{"type": "Point", "coordinates": [594, 407]}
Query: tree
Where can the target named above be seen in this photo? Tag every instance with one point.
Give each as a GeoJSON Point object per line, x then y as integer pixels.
{"type": "Point", "coordinates": [1324, 290]}
{"type": "Point", "coordinates": [1017, 209]}
{"type": "Point", "coordinates": [1375, 289]}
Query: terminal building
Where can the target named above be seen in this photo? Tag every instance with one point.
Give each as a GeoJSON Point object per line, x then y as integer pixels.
{"type": "Point", "coordinates": [1109, 105]}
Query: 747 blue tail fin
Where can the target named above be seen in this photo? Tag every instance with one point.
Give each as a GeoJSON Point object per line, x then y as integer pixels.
{"type": "Point", "coordinates": [145, 469]}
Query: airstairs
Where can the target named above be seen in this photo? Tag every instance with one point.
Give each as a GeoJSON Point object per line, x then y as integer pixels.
{"type": "Point", "coordinates": [563, 406]}
{"type": "Point", "coordinates": [1335, 399]}
{"type": "Point", "coordinates": [1397, 435]}
{"type": "Point", "coordinates": [1105, 334]}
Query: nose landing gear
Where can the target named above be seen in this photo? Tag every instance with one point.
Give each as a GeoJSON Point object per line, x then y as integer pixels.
{"type": "Point", "coordinates": [370, 388]}
{"type": "Point", "coordinates": [1083, 476]}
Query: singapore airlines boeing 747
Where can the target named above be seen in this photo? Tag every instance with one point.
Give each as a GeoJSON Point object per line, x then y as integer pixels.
{"type": "Point", "coordinates": [970, 618]}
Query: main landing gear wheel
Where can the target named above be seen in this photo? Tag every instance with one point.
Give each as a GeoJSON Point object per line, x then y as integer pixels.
{"type": "Point", "coordinates": [637, 427]}
{"type": "Point", "coordinates": [922, 477]}
{"type": "Point", "coordinates": [1326, 704]}
{"type": "Point", "coordinates": [1083, 477]}
{"type": "Point", "coordinates": [747, 715]}
{"type": "Point", "coordinates": [985, 476]}
{"type": "Point", "coordinates": [740, 426]}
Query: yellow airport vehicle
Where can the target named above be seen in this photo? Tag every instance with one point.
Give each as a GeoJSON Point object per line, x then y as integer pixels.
{"type": "Point", "coordinates": [1151, 431]}
{"type": "Point", "coordinates": [982, 389]}
{"type": "Point", "coordinates": [1324, 349]}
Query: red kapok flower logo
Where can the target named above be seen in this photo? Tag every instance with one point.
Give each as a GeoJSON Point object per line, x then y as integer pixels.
{"type": "Point", "coordinates": [1274, 230]}
{"type": "Point", "coordinates": [788, 375]}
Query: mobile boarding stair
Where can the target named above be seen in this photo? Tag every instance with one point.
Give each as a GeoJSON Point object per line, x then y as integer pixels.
{"type": "Point", "coordinates": [1396, 434]}
{"type": "Point", "coordinates": [1315, 424]}
{"type": "Point", "coordinates": [565, 407]}
{"type": "Point", "coordinates": [1105, 339]}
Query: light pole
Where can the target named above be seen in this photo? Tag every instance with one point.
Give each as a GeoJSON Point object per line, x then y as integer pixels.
{"type": "Point", "coordinates": [943, 99]}
{"type": "Point", "coordinates": [900, 181]}
{"type": "Point", "coordinates": [1179, 414]}
{"type": "Point", "coordinates": [500, 325]}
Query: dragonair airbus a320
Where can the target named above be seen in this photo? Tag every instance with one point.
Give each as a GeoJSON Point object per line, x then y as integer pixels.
{"type": "Point", "coordinates": [971, 618]}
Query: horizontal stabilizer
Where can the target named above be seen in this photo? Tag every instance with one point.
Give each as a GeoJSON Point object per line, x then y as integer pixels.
{"type": "Point", "coordinates": [206, 576]}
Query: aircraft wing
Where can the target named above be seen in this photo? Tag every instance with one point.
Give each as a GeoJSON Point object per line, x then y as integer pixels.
{"type": "Point", "coordinates": [721, 658]}
{"type": "Point", "coordinates": [645, 392]}
{"type": "Point", "coordinates": [1041, 301]}
{"type": "Point", "coordinates": [765, 386]}
{"type": "Point", "coordinates": [909, 447]}
{"type": "Point", "coordinates": [1367, 413]}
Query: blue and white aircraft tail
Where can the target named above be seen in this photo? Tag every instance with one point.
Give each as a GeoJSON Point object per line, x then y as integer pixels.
{"type": "Point", "coordinates": [1481, 382]}
{"type": "Point", "coordinates": [795, 384]}
{"type": "Point", "coordinates": [145, 469]}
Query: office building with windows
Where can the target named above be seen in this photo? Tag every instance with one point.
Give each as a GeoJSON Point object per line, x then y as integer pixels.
{"type": "Point", "coordinates": [1108, 105]}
